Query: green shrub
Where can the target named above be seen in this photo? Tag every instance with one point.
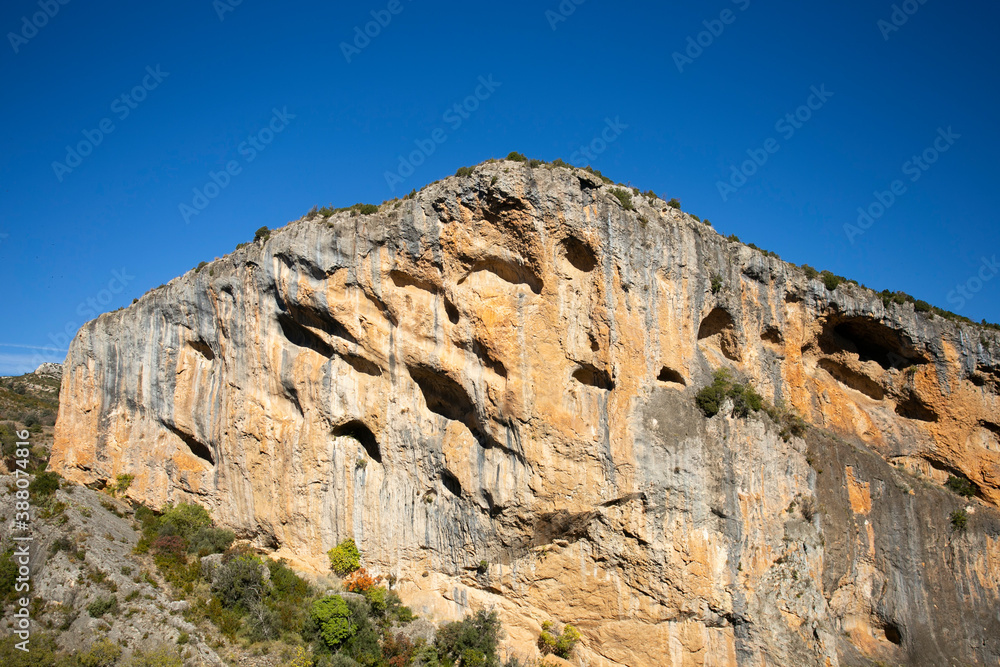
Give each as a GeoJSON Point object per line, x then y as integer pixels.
{"type": "Point", "coordinates": [961, 486]}
{"type": "Point", "coordinates": [363, 644]}
{"type": "Point", "coordinates": [623, 196]}
{"type": "Point", "coordinates": [209, 540]}
{"type": "Point", "coordinates": [831, 281]}
{"type": "Point", "coordinates": [8, 573]}
{"type": "Point", "coordinates": [201, 265]}
{"type": "Point", "coordinates": [42, 652]}
{"type": "Point", "coordinates": [696, 218]}
{"type": "Point", "coordinates": [516, 157]}
{"type": "Point", "coordinates": [333, 617]}
{"type": "Point", "coordinates": [478, 633]}
{"type": "Point", "coordinates": [262, 233]}
{"type": "Point", "coordinates": [959, 521]}
{"type": "Point", "coordinates": [560, 645]}
{"type": "Point", "coordinates": [344, 558]}
{"type": "Point", "coordinates": [810, 271]}
{"type": "Point", "coordinates": [791, 424]}
{"type": "Point", "coordinates": [601, 176]}
{"type": "Point", "coordinates": [674, 203]}
{"type": "Point", "coordinates": [240, 583]}
{"type": "Point", "coordinates": [922, 306]}
{"type": "Point", "coordinates": [159, 657]}
{"type": "Point", "coordinates": [102, 653]}
{"type": "Point", "coordinates": [123, 482]}
{"type": "Point", "coordinates": [535, 163]}
{"type": "Point", "coordinates": [102, 606]}
{"type": "Point", "coordinates": [745, 398]}
{"type": "Point", "coordinates": [716, 283]}
{"type": "Point", "coordinates": [464, 171]}
{"type": "Point", "coordinates": [183, 520]}
{"type": "Point", "coordinates": [43, 485]}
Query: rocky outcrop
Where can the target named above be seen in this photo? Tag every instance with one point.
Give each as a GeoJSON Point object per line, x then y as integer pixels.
{"type": "Point", "coordinates": [503, 369]}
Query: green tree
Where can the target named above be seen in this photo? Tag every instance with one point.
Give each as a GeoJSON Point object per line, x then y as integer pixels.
{"type": "Point", "coordinates": [240, 582]}
{"type": "Point", "coordinates": [102, 653]}
{"type": "Point", "coordinates": [478, 633]}
{"type": "Point", "coordinates": [333, 617]}
{"type": "Point", "coordinates": [184, 520]}
{"type": "Point", "coordinates": [345, 558]}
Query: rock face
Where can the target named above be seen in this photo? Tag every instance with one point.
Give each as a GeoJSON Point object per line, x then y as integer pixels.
{"type": "Point", "coordinates": [503, 369]}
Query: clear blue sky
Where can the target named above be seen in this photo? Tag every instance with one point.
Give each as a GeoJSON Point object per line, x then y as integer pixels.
{"type": "Point", "coordinates": [221, 80]}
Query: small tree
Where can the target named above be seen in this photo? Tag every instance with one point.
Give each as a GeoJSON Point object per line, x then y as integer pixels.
{"type": "Point", "coordinates": [333, 617]}
{"type": "Point", "coordinates": [624, 197]}
{"type": "Point", "coordinates": [102, 653]}
{"type": "Point", "coordinates": [345, 558]}
{"type": "Point", "coordinates": [560, 645]}
{"type": "Point", "coordinates": [240, 583]}
{"type": "Point", "coordinates": [262, 233]}
{"type": "Point", "coordinates": [961, 486]}
{"type": "Point", "coordinates": [478, 633]}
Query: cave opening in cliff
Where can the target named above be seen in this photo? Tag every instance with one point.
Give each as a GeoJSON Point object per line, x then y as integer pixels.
{"type": "Point", "coordinates": [202, 348]}
{"type": "Point", "coordinates": [852, 379]}
{"type": "Point", "coordinates": [593, 377]}
{"type": "Point", "coordinates": [506, 270]}
{"type": "Point", "coordinates": [579, 254]}
{"type": "Point", "coordinates": [668, 374]}
{"type": "Point", "coordinates": [443, 395]}
{"type": "Point", "coordinates": [716, 322]}
{"type": "Point", "coordinates": [199, 449]}
{"type": "Point", "coordinates": [359, 431]}
{"type": "Point", "coordinates": [893, 633]}
{"type": "Point", "coordinates": [913, 408]}
{"type": "Point", "coordinates": [451, 483]}
{"type": "Point", "coordinates": [300, 336]}
{"type": "Point", "coordinates": [871, 341]}
{"type": "Point", "coordinates": [772, 334]}
{"type": "Point", "coordinates": [719, 324]}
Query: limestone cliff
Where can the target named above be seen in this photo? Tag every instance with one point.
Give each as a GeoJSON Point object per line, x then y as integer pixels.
{"type": "Point", "coordinates": [503, 369]}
